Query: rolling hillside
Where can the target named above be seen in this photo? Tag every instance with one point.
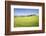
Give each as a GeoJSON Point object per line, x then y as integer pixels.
{"type": "Point", "coordinates": [26, 21]}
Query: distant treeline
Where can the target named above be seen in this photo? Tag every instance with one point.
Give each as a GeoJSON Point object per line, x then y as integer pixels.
{"type": "Point", "coordinates": [26, 16]}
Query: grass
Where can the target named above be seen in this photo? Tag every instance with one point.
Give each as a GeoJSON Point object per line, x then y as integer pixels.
{"type": "Point", "coordinates": [31, 21]}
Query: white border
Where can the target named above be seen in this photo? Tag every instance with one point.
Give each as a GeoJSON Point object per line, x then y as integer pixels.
{"type": "Point", "coordinates": [26, 28]}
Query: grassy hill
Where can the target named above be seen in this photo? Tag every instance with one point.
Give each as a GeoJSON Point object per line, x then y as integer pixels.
{"type": "Point", "coordinates": [31, 21]}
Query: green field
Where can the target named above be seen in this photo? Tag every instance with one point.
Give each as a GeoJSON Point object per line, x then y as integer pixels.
{"type": "Point", "coordinates": [26, 21]}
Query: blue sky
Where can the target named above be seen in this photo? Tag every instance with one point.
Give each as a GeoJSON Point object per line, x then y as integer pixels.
{"type": "Point", "coordinates": [24, 12]}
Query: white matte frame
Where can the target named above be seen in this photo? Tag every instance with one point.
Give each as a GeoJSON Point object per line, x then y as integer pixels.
{"type": "Point", "coordinates": [25, 28]}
